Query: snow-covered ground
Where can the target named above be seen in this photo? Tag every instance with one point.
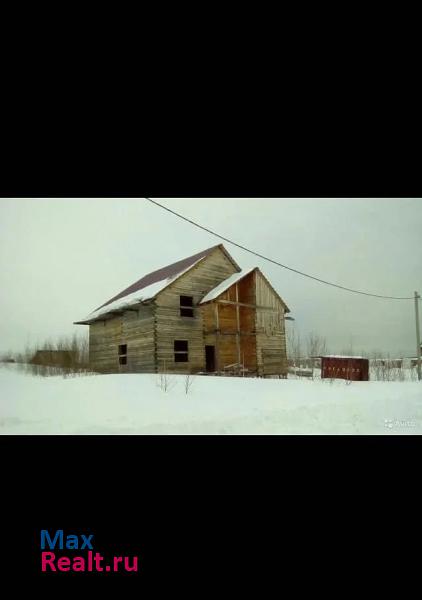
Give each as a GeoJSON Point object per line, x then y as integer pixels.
{"type": "Point", "coordinates": [135, 404]}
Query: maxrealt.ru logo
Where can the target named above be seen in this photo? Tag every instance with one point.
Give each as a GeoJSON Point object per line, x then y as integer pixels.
{"type": "Point", "coordinates": [87, 561]}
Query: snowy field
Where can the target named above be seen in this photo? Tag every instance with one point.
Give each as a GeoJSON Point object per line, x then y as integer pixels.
{"type": "Point", "coordinates": [136, 404]}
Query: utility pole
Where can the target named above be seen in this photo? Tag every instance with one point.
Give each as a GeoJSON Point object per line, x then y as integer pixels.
{"type": "Point", "coordinates": [418, 336]}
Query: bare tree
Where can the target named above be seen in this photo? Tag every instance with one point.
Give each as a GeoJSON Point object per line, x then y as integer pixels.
{"type": "Point", "coordinates": [385, 368]}
{"type": "Point", "coordinates": [68, 354]}
{"type": "Point", "coordinates": [7, 357]}
{"type": "Point", "coordinates": [294, 347]}
{"type": "Point", "coordinates": [316, 345]}
{"type": "Point", "coordinates": [188, 382]}
{"type": "Point", "coordinates": [165, 381]}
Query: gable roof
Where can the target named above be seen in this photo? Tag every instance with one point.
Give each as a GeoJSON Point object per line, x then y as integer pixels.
{"type": "Point", "coordinates": [151, 284]}
{"type": "Point", "coordinates": [286, 308]}
{"type": "Point", "coordinates": [224, 285]}
{"type": "Point", "coordinates": [236, 277]}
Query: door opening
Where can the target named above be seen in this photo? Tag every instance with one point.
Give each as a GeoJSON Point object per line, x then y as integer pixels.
{"type": "Point", "coordinates": [210, 359]}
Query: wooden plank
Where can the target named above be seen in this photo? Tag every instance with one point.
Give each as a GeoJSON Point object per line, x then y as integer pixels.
{"type": "Point", "coordinates": [270, 329]}
{"type": "Point", "coordinates": [237, 324]}
{"type": "Point", "coordinates": [217, 339]}
{"type": "Point", "coordinates": [234, 303]}
{"type": "Point", "coordinates": [136, 330]}
{"type": "Point", "coordinates": [171, 326]}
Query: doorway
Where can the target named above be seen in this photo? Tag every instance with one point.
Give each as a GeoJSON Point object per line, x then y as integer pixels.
{"type": "Point", "coordinates": [210, 359]}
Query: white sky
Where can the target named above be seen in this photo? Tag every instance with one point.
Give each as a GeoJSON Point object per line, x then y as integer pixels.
{"type": "Point", "coordinates": [62, 258]}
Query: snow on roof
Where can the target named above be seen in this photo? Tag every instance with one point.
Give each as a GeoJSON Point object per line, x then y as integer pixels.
{"type": "Point", "coordinates": [224, 285]}
{"type": "Point", "coordinates": [166, 272]}
{"type": "Point", "coordinates": [147, 293]}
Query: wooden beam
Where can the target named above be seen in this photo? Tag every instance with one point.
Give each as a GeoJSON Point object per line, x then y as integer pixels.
{"type": "Point", "coordinates": [268, 308]}
{"type": "Point", "coordinates": [221, 333]}
{"type": "Point", "coordinates": [237, 324]}
{"type": "Point", "coordinates": [255, 323]}
{"type": "Point", "coordinates": [217, 339]}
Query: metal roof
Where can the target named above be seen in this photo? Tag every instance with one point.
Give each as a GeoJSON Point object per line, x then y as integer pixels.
{"type": "Point", "coordinates": [167, 272]}
{"type": "Point", "coordinates": [148, 286]}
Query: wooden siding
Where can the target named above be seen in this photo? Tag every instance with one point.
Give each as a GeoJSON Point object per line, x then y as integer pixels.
{"type": "Point", "coordinates": [270, 330]}
{"type": "Point", "coordinates": [232, 345]}
{"type": "Point", "coordinates": [170, 326]}
{"type": "Point", "coordinates": [208, 318]}
{"type": "Point", "coordinates": [136, 330]}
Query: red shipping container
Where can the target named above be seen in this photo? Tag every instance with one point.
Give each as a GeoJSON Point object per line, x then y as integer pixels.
{"type": "Point", "coordinates": [352, 368]}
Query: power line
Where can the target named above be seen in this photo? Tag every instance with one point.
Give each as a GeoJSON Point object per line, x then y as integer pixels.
{"type": "Point", "coordinates": [341, 287]}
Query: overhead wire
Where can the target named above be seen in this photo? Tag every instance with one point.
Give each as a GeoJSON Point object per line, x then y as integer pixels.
{"type": "Point", "coordinates": [275, 262]}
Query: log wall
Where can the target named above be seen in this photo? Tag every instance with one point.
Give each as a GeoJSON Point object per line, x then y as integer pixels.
{"type": "Point", "coordinates": [170, 326]}
{"type": "Point", "coordinates": [136, 330]}
{"type": "Point", "coordinates": [270, 330]}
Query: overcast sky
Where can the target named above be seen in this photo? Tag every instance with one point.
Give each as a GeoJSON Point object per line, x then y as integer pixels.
{"type": "Point", "coordinates": [62, 258]}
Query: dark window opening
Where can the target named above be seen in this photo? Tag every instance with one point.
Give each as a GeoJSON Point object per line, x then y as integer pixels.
{"type": "Point", "coordinates": [122, 354]}
{"type": "Point", "coordinates": [180, 346]}
{"type": "Point", "coordinates": [181, 351]}
{"type": "Point", "coordinates": [186, 301]}
{"type": "Point", "coordinates": [186, 306]}
{"type": "Point", "coordinates": [181, 357]}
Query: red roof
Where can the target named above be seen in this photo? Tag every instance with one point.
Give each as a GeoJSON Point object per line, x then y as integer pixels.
{"type": "Point", "coordinates": [165, 272]}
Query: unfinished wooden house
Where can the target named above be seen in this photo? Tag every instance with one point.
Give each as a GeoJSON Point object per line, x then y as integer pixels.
{"type": "Point", "coordinates": [200, 314]}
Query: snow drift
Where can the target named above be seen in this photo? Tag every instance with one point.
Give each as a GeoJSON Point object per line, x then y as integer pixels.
{"type": "Point", "coordinates": [136, 404]}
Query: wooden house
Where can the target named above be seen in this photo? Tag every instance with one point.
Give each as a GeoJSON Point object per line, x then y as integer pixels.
{"type": "Point", "coordinates": [200, 314]}
{"type": "Point", "coordinates": [52, 358]}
